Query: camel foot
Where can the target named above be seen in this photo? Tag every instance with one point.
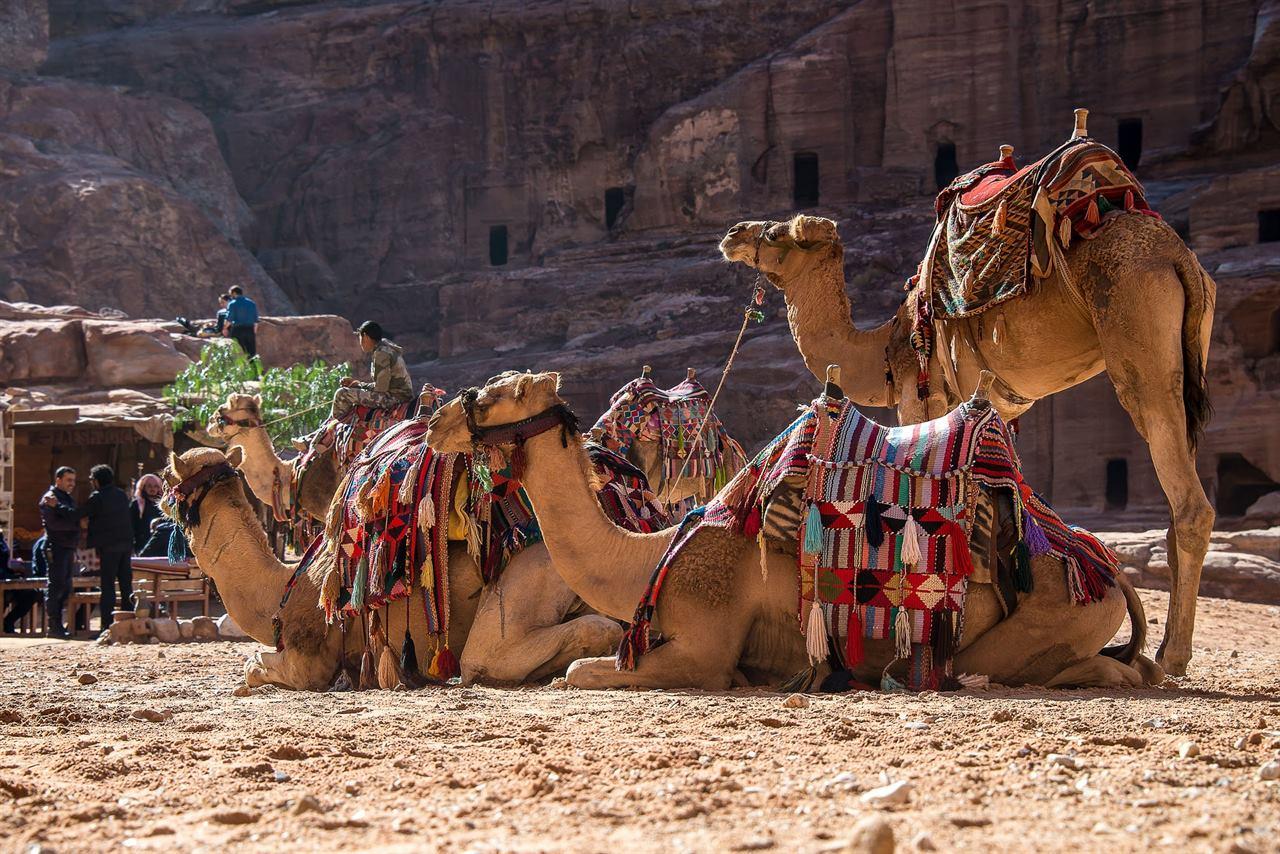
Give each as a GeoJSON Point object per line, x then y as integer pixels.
{"type": "Point", "coordinates": [1174, 662]}
{"type": "Point", "coordinates": [255, 675]}
{"type": "Point", "coordinates": [595, 674]}
{"type": "Point", "coordinates": [1098, 672]}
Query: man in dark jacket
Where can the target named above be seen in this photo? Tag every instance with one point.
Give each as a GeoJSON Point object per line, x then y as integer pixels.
{"type": "Point", "coordinates": [61, 520]}
{"type": "Point", "coordinates": [111, 535]}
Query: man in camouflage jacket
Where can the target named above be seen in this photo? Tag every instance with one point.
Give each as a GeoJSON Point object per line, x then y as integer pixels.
{"type": "Point", "coordinates": [391, 385]}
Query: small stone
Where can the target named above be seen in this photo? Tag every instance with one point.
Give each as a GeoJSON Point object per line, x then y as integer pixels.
{"type": "Point", "coordinates": [242, 691]}
{"type": "Point", "coordinates": [86, 679]}
{"type": "Point", "coordinates": [894, 793]}
{"type": "Point", "coordinates": [351, 787]}
{"type": "Point", "coordinates": [234, 817]}
{"type": "Point", "coordinates": [969, 820]}
{"type": "Point", "coordinates": [872, 835]}
{"type": "Point", "coordinates": [1270, 771]}
{"type": "Point", "coordinates": [1254, 738]}
{"type": "Point", "coordinates": [1064, 760]}
{"type": "Point", "coordinates": [305, 804]}
{"type": "Point", "coordinates": [1240, 743]}
{"type": "Point", "coordinates": [152, 715]}
{"type": "Point", "coordinates": [282, 777]}
{"type": "Point", "coordinates": [755, 843]}
{"type": "Point", "coordinates": [922, 841]}
{"type": "Point", "coordinates": [1002, 715]}
{"type": "Point", "coordinates": [915, 725]}
{"type": "Point", "coordinates": [1188, 750]}
{"type": "Point", "coordinates": [796, 701]}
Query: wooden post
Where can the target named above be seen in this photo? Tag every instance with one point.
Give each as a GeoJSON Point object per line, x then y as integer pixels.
{"type": "Point", "coordinates": [690, 374]}
{"type": "Point", "coordinates": [1006, 151]}
{"type": "Point", "coordinates": [645, 371]}
{"type": "Point", "coordinates": [1082, 123]}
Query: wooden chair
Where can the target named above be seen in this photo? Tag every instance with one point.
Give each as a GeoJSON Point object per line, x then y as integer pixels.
{"type": "Point", "coordinates": [82, 599]}
{"type": "Point", "coordinates": [173, 591]}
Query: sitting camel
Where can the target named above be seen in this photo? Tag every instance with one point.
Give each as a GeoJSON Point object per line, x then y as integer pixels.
{"type": "Point", "coordinates": [723, 620]}
{"type": "Point", "coordinates": [530, 629]}
{"type": "Point", "coordinates": [1141, 308]}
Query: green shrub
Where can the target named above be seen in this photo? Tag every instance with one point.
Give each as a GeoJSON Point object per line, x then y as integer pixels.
{"type": "Point", "coordinates": [202, 387]}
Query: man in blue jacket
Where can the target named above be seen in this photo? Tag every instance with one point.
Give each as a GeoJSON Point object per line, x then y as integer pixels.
{"type": "Point", "coordinates": [61, 520]}
{"type": "Point", "coordinates": [242, 320]}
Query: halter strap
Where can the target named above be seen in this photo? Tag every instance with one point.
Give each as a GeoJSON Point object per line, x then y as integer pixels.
{"type": "Point", "coordinates": [518, 432]}
{"type": "Point", "coordinates": [227, 421]}
{"type": "Point", "coordinates": [200, 482]}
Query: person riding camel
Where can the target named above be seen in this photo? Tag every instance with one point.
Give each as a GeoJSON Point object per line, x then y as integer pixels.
{"type": "Point", "coordinates": [390, 386]}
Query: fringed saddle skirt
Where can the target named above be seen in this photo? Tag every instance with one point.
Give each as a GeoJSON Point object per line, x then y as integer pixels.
{"type": "Point", "coordinates": [640, 411]}
{"type": "Point", "coordinates": [997, 224]}
{"type": "Point", "coordinates": [883, 536]}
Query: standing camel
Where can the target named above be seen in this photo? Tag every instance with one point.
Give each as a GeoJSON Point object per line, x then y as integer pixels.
{"type": "Point", "coordinates": [532, 629]}
{"type": "Point", "coordinates": [725, 622]}
{"type": "Point", "coordinates": [1143, 314]}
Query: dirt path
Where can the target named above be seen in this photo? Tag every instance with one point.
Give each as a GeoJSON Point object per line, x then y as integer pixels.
{"type": "Point", "coordinates": [549, 769]}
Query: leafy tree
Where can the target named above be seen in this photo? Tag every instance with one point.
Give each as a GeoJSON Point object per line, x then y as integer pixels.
{"type": "Point", "coordinates": [295, 400]}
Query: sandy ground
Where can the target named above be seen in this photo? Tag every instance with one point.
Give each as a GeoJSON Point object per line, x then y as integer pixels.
{"type": "Point", "coordinates": [546, 769]}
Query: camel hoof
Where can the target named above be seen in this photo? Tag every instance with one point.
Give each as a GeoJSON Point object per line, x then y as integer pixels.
{"type": "Point", "coordinates": [1174, 664]}
{"type": "Point", "coordinates": [587, 673]}
{"type": "Point", "coordinates": [255, 675]}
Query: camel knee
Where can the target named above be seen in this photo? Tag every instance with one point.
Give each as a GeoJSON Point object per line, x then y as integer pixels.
{"type": "Point", "coordinates": [596, 635]}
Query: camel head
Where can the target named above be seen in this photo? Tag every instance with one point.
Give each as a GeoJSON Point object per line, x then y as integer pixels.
{"type": "Point", "coordinates": [781, 250]}
{"type": "Point", "coordinates": [240, 411]}
{"type": "Point", "coordinates": [505, 399]}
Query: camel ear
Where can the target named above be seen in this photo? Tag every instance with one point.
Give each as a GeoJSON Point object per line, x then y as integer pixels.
{"type": "Point", "coordinates": [257, 401]}
{"type": "Point", "coordinates": [179, 467]}
{"type": "Point", "coordinates": [813, 229]}
{"type": "Point", "coordinates": [522, 386]}
{"type": "Point", "coordinates": [235, 456]}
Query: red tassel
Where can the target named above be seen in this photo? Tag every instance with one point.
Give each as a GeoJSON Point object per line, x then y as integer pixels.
{"type": "Point", "coordinates": [517, 462]}
{"type": "Point", "coordinates": [751, 526]}
{"type": "Point", "coordinates": [853, 652]}
{"type": "Point", "coordinates": [448, 664]}
{"type": "Point", "coordinates": [960, 553]}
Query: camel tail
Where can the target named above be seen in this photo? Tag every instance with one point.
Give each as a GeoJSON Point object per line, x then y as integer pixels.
{"type": "Point", "coordinates": [1128, 653]}
{"type": "Point", "coordinates": [1199, 293]}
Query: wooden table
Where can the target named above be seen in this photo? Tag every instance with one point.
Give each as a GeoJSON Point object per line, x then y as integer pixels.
{"type": "Point", "coordinates": [28, 625]}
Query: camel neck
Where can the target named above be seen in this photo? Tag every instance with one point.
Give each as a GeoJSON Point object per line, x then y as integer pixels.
{"type": "Point", "coordinates": [232, 549]}
{"type": "Point", "coordinates": [261, 463]}
{"type": "Point", "coordinates": [607, 566]}
{"type": "Point", "coordinates": [819, 314]}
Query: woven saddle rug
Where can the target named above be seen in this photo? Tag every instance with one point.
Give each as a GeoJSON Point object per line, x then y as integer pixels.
{"type": "Point", "coordinates": [640, 411]}
{"type": "Point", "coordinates": [998, 226]}
{"type": "Point", "coordinates": [884, 531]}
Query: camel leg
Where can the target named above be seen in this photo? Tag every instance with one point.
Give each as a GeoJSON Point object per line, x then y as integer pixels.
{"type": "Point", "coordinates": [672, 665]}
{"type": "Point", "coordinates": [1141, 364]}
{"type": "Point", "coordinates": [293, 671]}
{"type": "Point", "coordinates": [1048, 638]}
{"type": "Point", "coordinates": [542, 651]}
{"type": "Point", "coordinates": [1098, 672]}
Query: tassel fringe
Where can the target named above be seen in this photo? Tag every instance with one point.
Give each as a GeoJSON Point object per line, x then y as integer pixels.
{"type": "Point", "coordinates": [911, 534]}
{"type": "Point", "coordinates": [815, 635]}
{"type": "Point", "coordinates": [813, 531]}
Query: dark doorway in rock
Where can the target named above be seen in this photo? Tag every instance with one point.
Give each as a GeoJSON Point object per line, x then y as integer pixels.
{"type": "Point", "coordinates": [1116, 491]}
{"type": "Point", "coordinates": [1269, 226]}
{"type": "Point", "coordinates": [614, 199]}
{"type": "Point", "coordinates": [1240, 483]}
{"type": "Point", "coordinates": [805, 169]}
{"type": "Point", "coordinates": [1129, 141]}
{"type": "Point", "coordinates": [497, 245]}
{"type": "Point", "coordinates": [945, 166]}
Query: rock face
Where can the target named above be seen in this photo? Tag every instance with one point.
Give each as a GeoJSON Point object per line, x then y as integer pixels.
{"type": "Point", "coordinates": [512, 185]}
{"type": "Point", "coordinates": [24, 34]}
{"type": "Point", "coordinates": [1241, 565]}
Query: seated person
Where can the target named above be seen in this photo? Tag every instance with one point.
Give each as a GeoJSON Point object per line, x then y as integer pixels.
{"type": "Point", "coordinates": [390, 386]}
{"type": "Point", "coordinates": [19, 601]}
{"type": "Point", "coordinates": [162, 531]}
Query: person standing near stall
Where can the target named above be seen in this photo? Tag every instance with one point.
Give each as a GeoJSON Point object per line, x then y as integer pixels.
{"type": "Point", "coordinates": [61, 520]}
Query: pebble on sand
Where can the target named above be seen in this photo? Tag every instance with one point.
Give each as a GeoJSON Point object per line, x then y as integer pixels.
{"type": "Point", "coordinates": [86, 679]}
{"type": "Point", "coordinates": [872, 835]}
{"type": "Point", "coordinates": [796, 701]}
{"type": "Point", "coordinates": [1188, 750]}
{"type": "Point", "coordinates": [1270, 771]}
{"type": "Point", "coordinates": [885, 796]}
{"type": "Point", "coordinates": [152, 715]}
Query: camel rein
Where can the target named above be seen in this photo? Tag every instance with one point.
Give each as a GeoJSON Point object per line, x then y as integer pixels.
{"type": "Point", "coordinates": [228, 421]}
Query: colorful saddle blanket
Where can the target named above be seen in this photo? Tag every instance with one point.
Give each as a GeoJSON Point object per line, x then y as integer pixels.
{"type": "Point", "coordinates": [640, 411]}
{"type": "Point", "coordinates": [401, 503]}
{"type": "Point", "coordinates": [353, 432]}
{"type": "Point", "coordinates": [883, 540]}
{"type": "Point", "coordinates": [997, 225]}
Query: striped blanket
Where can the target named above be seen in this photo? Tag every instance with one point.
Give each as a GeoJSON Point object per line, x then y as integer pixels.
{"type": "Point", "coordinates": [883, 539]}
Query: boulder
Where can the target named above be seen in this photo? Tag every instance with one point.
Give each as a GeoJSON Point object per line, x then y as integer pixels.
{"type": "Point", "coordinates": [131, 353]}
{"type": "Point", "coordinates": [186, 630]}
{"type": "Point", "coordinates": [34, 351]}
{"type": "Point", "coordinates": [228, 629]}
{"type": "Point", "coordinates": [204, 629]}
{"type": "Point", "coordinates": [166, 630]}
{"type": "Point", "coordinates": [284, 341]}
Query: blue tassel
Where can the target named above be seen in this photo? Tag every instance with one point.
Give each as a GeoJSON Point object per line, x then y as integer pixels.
{"type": "Point", "coordinates": [813, 531]}
{"type": "Point", "coordinates": [177, 551]}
